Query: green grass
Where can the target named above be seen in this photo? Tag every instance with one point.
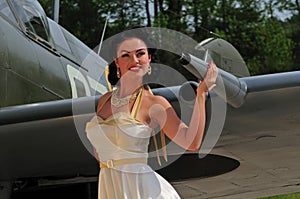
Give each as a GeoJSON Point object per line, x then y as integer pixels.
{"type": "Point", "coordinates": [286, 196]}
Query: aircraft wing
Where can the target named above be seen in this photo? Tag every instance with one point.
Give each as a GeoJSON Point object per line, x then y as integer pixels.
{"type": "Point", "coordinates": [41, 140]}
{"type": "Point", "coordinates": [272, 81]}
{"type": "Point", "coordinates": [48, 139]}
{"type": "Point", "coordinates": [271, 104]}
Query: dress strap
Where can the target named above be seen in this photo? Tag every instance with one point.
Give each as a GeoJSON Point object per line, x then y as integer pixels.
{"type": "Point", "coordinates": [162, 139]}
{"type": "Point", "coordinates": [137, 103]}
{"type": "Point", "coordinates": [163, 144]}
{"type": "Point", "coordinates": [106, 77]}
{"type": "Point", "coordinates": [156, 147]}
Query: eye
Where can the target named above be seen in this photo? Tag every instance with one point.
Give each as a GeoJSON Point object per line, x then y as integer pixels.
{"type": "Point", "coordinates": [125, 55]}
{"type": "Point", "coordinates": [140, 54]}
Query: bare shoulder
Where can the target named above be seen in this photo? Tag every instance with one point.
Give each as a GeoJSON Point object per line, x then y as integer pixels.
{"type": "Point", "coordinates": [106, 95]}
{"type": "Point", "coordinates": [103, 98]}
{"type": "Point", "coordinates": [156, 99]}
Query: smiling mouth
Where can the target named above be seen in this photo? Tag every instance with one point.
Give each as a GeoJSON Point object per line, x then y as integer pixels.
{"type": "Point", "coordinates": [135, 68]}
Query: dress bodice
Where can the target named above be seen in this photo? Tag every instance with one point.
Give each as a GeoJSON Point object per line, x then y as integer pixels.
{"type": "Point", "coordinates": [121, 135]}
{"type": "Point", "coordinates": [118, 137]}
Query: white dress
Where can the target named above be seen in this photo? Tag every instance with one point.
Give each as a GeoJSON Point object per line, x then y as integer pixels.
{"type": "Point", "coordinates": [119, 137]}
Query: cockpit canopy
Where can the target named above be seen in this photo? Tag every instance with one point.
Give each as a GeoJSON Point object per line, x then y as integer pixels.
{"type": "Point", "coordinates": [33, 17]}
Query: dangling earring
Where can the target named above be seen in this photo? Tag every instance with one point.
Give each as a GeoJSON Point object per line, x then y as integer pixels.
{"type": "Point", "coordinates": [149, 70]}
{"type": "Point", "coordinates": [118, 73]}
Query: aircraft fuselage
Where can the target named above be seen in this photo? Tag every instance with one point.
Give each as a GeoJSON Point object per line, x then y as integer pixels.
{"type": "Point", "coordinates": [33, 69]}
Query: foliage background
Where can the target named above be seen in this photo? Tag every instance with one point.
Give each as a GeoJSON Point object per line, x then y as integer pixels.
{"type": "Point", "coordinates": [268, 40]}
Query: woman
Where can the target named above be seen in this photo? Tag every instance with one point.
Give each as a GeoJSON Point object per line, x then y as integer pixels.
{"type": "Point", "coordinates": [125, 119]}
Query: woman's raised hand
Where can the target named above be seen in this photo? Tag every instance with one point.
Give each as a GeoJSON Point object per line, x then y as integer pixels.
{"type": "Point", "coordinates": [209, 81]}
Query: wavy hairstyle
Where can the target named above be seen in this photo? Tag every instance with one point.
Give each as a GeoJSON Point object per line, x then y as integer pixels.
{"type": "Point", "coordinates": [136, 32]}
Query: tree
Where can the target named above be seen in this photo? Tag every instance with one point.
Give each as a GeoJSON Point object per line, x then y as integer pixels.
{"type": "Point", "coordinates": [293, 27]}
{"type": "Point", "coordinates": [148, 13]}
{"type": "Point", "coordinates": [281, 6]}
{"type": "Point", "coordinates": [237, 22]}
{"type": "Point", "coordinates": [250, 25]}
{"type": "Point", "coordinates": [80, 18]}
{"type": "Point", "coordinates": [273, 47]}
{"type": "Point", "coordinates": [122, 14]}
{"type": "Point", "coordinates": [199, 18]}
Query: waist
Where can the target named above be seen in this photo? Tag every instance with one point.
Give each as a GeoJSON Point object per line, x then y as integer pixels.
{"type": "Point", "coordinates": [112, 163]}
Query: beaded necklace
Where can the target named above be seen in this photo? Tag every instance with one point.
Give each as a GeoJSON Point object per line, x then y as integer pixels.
{"type": "Point", "coordinates": [118, 102]}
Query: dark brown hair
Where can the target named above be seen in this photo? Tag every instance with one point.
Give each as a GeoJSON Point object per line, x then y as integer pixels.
{"type": "Point", "coordinates": [137, 32]}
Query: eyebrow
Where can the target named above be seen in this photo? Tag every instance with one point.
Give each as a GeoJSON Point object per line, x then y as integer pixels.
{"type": "Point", "coordinates": [126, 51]}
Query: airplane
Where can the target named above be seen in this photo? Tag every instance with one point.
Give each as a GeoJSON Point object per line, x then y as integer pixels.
{"type": "Point", "coordinates": [50, 83]}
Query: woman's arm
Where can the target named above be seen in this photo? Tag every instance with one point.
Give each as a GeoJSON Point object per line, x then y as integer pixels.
{"type": "Point", "coordinates": [188, 137]}
{"type": "Point", "coordinates": [96, 155]}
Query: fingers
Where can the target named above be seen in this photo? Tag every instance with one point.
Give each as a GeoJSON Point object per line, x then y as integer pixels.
{"type": "Point", "coordinates": [211, 76]}
{"type": "Point", "coordinates": [212, 67]}
{"type": "Point", "coordinates": [211, 87]}
{"type": "Point", "coordinates": [209, 81]}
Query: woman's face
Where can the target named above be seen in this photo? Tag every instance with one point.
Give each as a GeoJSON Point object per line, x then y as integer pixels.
{"type": "Point", "coordinates": [133, 58]}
